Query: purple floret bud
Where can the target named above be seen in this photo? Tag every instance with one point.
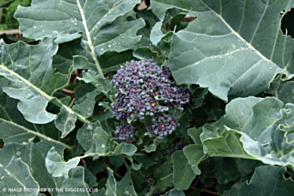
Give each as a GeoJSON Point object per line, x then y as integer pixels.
{"type": "Point", "coordinates": [124, 133]}
{"type": "Point", "coordinates": [163, 125]}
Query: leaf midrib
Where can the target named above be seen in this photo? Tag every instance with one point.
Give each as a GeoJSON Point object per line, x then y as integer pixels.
{"type": "Point", "coordinates": [235, 33]}
{"type": "Point", "coordinates": [49, 98]}
{"type": "Point", "coordinates": [34, 132]}
{"type": "Point", "coordinates": [89, 40]}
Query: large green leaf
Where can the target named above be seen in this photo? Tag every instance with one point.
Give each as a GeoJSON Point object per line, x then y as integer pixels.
{"type": "Point", "coordinates": [32, 79]}
{"type": "Point", "coordinates": [14, 128]}
{"type": "Point", "coordinates": [266, 180]}
{"type": "Point", "coordinates": [102, 23]}
{"type": "Point", "coordinates": [253, 128]}
{"type": "Point", "coordinates": [109, 61]}
{"type": "Point", "coordinates": [15, 173]}
{"type": "Point", "coordinates": [28, 68]}
{"type": "Point", "coordinates": [235, 48]}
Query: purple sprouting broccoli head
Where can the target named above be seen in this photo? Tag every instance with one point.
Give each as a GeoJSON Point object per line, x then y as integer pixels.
{"type": "Point", "coordinates": [145, 89]}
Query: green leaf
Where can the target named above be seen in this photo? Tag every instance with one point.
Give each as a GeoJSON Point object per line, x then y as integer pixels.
{"type": "Point", "coordinates": [135, 166]}
{"type": "Point", "coordinates": [95, 140]}
{"type": "Point", "coordinates": [102, 84]}
{"type": "Point", "coordinates": [152, 147]}
{"type": "Point", "coordinates": [222, 168]}
{"type": "Point", "coordinates": [86, 107]}
{"type": "Point", "coordinates": [147, 15]}
{"type": "Point", "coordinates": [38, 154]}
{"type": "Point", "coordinates": [65, 121]}
{"type": "Point", "coordinates": [14, 128]}
{"type": "Point", "coordinates": [231, 56]}
{"type": "Point", "coordinates": [126, 149]}
{"type": "Point", "coordinates": [103, 24]}
{"type": "Point", "coordinates": [56, 166]}
{"type": "Point", "coordinates": [117, 161]}
{"type": "Point", "coordinates": [148, 53]}
{"type": "Point", "coordinates": [75, 184]}
{"type": "Point", "coordinates": [14, 173]}
{"type": "Point", "coordinates": [82, 90]}
{"type": "Point", "coordinates": [175, 192]}
{"type": "Point", "coordinates": [194, 154]}
{"type": "Point", "coordinates": [253, 128]}
{"type": "Point", "coordinates": [32, 79]}
{"type": "Point", "coordinates": [121, 188]}
{"type": "Point", "coordinates": [246, 166]}
{"type": "Point", "coordinates": [282, 90]}
{"type": "Point", "coordinates": [27, 72]}
{"type": "Point", "coordinates": [164, 176]}
{"type": "Point", "coordinates": [146, 161]}
{"type": "Point", "coordinates": [183, 174]}
{"type": "Point", "coordinates": [266, 180]}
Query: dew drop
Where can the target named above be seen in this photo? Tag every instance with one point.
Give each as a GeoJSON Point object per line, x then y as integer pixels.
{"type": "Point", "coordinates": [109, 45]}
{"type": "Point", "coordinates": [89, 127]}
{"type": "Point", "coordinates": [102, 146]}
{"type": "Point", "coordinates": [270, 67]}
{"type": "Point", "coordinates": [102, 49]}
{"type": "Point", "coordinates": [18, 153]}
{"type": "Point", "coordinates": [2, 177]}
{"type": "Point", "coordinates": [35, 27]}
{"type": "Point", "coordinates": [269, 156]}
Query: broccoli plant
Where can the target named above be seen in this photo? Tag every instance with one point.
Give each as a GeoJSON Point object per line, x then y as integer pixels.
{"type": "Point", "coordinates": [107, 97]}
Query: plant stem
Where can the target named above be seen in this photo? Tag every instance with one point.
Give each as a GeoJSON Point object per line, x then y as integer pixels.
{"type": "Point", "coordinates": [289, 173]}
{"type": "Point", "coordinates": [126, 164]}
{"type": "Point", "coordinates": [117, 174]}
{"type": "Point", "coordinates": [210, 192]}
{"type": "Point", "coordinates": [89, 40]}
